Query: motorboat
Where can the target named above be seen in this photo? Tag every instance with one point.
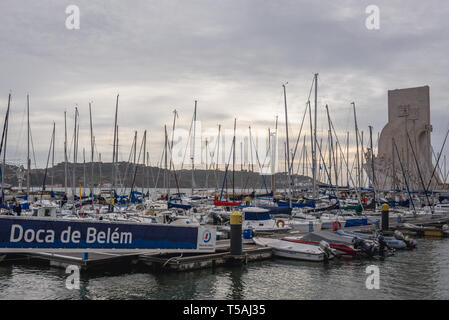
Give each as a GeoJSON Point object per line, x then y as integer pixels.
{"type": "Point", "coordinates": [391, 241]}
{"type": "Point", "coordinates": [298, 251]}
{"type": "Point", "coordinates": [259, 220]}
{"type": "Point", "coordinates": [343, 220]}
{"type": "Point", "coordinates": [341, 244]}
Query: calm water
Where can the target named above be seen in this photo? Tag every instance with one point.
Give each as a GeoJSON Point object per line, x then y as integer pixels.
{"type": "Point", "coordinates": [418, 274]}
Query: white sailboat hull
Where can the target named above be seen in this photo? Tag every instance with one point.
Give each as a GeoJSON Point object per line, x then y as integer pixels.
{"type": "Point", "coordinates": [304, 226]}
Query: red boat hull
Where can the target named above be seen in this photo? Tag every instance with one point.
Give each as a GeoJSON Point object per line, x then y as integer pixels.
{"type": "Point", "coordinates": [341, 248]}
{"type": "Point", "coordinates": [219, 203]}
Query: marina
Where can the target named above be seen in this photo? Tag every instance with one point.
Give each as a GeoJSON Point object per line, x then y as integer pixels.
{"type": "Point", "coordinates": [207, 150]}
{"type": "Point", "coordinates": [162, 229]}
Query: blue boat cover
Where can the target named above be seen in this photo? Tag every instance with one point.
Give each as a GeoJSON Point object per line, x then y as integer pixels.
{"type": "Point", "coordinates": [254, 215]}
{"type": "Point", "coordinates": [179, 205]}
{"type": "Point", "coordinates": [356, 222]}
{"type": "Point", "coordinates": [310, 204]}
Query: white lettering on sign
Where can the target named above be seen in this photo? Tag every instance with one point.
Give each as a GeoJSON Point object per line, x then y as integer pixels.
{"type": "Point", "coordinates": [114, 237]}
{"type": "Point", "coordinates": [109, 236]}
{"type": "Point", "coordinates": [17, 235]}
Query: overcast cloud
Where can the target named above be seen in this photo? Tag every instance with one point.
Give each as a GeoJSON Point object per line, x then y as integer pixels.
{"type": "Point", "coordinates": [231, 56]}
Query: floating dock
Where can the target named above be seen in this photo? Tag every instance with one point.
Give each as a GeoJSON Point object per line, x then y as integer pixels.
{"type": "Point", "coordinates": [210, 260]}
{"type": "Point", "coordinates": [156, 261]}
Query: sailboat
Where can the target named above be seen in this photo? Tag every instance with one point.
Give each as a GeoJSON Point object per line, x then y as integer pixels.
{"type": "Point", "coordinates": [259, 220]}
{"type": "Point", "coordinates": [219, 203]}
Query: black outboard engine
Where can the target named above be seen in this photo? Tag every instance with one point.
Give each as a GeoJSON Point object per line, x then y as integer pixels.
{"type": "Point", "coordinates": [382, 244]}
{"type": "Point", "coordinates": [369, 250]}
{"type": "Point", "coordinates": [216, 218]}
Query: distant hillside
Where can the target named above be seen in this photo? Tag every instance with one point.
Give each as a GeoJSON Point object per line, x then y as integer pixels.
{"type": "Point", "coordinates": [145, 177]}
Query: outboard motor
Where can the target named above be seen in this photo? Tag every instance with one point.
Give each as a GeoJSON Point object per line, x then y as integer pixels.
{"type": "Point", "coordinates": [382, 244]}
{"type": "Point", "coordinates": [326, 248]}
{"type": "Point", "coordinates": [214, 217]}
{"type": "Point", "coordinates": [361, 244]}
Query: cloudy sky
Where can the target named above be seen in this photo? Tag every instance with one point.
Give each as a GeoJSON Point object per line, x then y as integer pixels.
{"type": "Point", "coordinates": [231, 56]}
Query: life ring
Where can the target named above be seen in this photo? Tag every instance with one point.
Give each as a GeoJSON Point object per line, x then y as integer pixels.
{"type": "Point", "coordinates": [280, 221]}
{"type": "Point", "coordinates": [336, 225]}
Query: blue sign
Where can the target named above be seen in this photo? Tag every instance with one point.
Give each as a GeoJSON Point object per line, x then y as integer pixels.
{"type": "Point", "coordinates": [19, 234]}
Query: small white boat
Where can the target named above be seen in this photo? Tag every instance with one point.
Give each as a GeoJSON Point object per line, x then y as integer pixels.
{"type": "Point", "coordinates": [303, 225]}
{"type": "Point", "coordinates": [184, 220]}
{"type": "Point", "coordinates": [298, 251]}
{"type": "Point", "coordinates": [441, 208]}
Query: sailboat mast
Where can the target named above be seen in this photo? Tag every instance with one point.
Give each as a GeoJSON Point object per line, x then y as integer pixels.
{"type": "Point", "coordinates": [99, 167]}
{"type": "Point", "coordinates": [445, 171]}
{"type": "Point", "coordinates": [193, 148]}
{"type": "Point", "coordinates": [287, 151]}
{"type": "Point", "coordinates": [175, 115]}
{"type": "Point", "coordinates": [144, 176]}
{"type": "Point", "coordinates": [53, 155]}
{"type": "Point", "coordinates": [74, 155]}
{"type": "Point", "coordinates": [65, 153]}
{"type": "Point", "coordinates": [357, 143]}
{"type": "Point", "coordinates": [218, 156]}
{"type": "Point", "coordinates": [241, 164]}
{"type": "Point", "coordinates": [28, 148]}
{"type": "Point", "coordinates": [362, 179]}
{"type": "Point", "coordinates": [347, 158]}
{"type": "Point", "coordinates": [4, 140]}
{"type": "Point", "coordinates": [114, 147]}
{"type": "Point", "coordinates": [233, 161]}
{"type": "Point", "coordinates": [330, 147]}
{"type": "Point", "coordinates": [314, 168]}
{"type": "Point", "coordinates": [84, 171]}
{"type": "Point", "coordinates": [91, 151]}
{"type": "Point", "coordinates": [273, 147]}
{"type": "Point", "coordinates": [372, 163]}
{"type": "Point", "coordinates": [135, 148]}
{"type": "Point", "coordinates": [166, 166]}
{"type": "Point", "coordinates": [207, 176]}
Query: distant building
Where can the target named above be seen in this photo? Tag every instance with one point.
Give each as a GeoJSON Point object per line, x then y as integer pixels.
{"type": "Point", "coordinates": [408, 112]}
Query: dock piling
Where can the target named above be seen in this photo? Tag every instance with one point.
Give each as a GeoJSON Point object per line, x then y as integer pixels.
{"type": "Point", "coordinates": [236, 234]}
{"type": "Point", "coordinates": [385, 217]}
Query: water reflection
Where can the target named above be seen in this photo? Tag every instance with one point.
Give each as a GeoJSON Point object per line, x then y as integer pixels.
{"type": "Point", "coordinates": [418, 274]}
{"type": "Point", "coordinates": [237, 285]}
